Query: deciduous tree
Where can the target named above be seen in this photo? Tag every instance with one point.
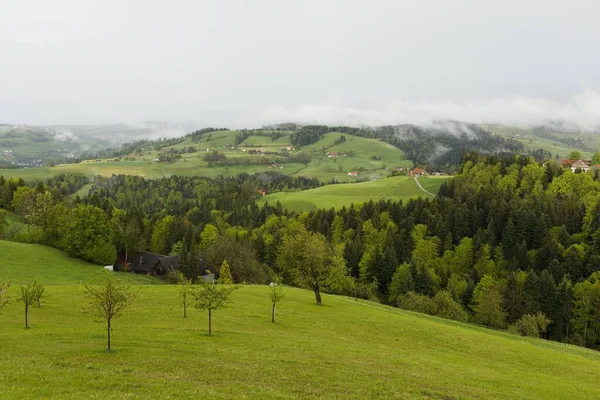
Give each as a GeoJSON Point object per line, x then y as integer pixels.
{"type": "Point", "coordinates": [31, 295]}
{"type": "Point", "coordinates": [185, 291]}
{"type": "Point", "coordinates": [211, 296]}
{"type": "Point", "coordinates": [109, 301]}
{"type": "Point", "coordinates": [276, 294]}
{"type": "Point", "coordinates": [309, 261]}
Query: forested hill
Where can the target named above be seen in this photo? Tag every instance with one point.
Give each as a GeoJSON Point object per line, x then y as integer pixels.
{"type": "Point", "coordinates": [508, 242]}
{"type": "Point", "coordinates": [437, 145]}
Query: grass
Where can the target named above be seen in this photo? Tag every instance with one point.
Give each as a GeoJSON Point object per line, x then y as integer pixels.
{"type": "Point", "coordinates": [363, 150]}
{"type": "Point", "coordinates": [24, 262]}
{"type": "Point", "coordinates": [342, 350]}
{"type": "Point", "coordinates": [193, 164]}
{"type": "Point", "coordinates": [394, 188]}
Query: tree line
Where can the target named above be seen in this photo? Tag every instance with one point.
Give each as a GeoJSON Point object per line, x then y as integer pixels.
{"type": "Point", "coordinates": [508, 242]}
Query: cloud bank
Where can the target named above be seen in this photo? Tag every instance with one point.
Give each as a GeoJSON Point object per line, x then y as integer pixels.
{"type": "Point", "coordinates": [581, 110]}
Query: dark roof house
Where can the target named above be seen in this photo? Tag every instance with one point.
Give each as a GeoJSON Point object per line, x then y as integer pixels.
{"type": "Point", "coordinates": [154, 264]}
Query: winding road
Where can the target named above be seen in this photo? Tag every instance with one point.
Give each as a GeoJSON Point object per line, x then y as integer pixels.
{"type": "Point", "coordinates": [422, 188]}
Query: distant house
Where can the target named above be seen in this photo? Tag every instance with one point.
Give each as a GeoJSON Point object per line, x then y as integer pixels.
{"type": "Point", "coordinates": [580, 165]}
{"type": "Point", "coordinates": [437, 173]}
{"type": "Point", "coordinates": [417, 172]}
{"type": "Point", "coordinates": [584, 165]}
{"type": "Point", "coordinates": [262, 192]}
{"type": "Point", "coordinates": [154, 264]}
{"type": "Point", "coordinates": [352, 173]}
{"type": "Point", "coordinates": [331, 154]}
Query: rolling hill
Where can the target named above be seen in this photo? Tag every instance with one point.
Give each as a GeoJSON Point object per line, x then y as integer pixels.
{"type": "Point", "coordinates": [394, 188]}
{"type": "Point", "coordinates": [371, 157]}
{"type": "Point", "coordinates": [23, 262]}
{"type": "Point", "coordinates": [345, 349]}
{"type": "Point", "coordinates": [553, 140]}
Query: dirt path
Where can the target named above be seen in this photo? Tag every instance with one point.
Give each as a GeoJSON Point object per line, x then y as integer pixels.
{"type": "Point", "coordinates": [422, 188]}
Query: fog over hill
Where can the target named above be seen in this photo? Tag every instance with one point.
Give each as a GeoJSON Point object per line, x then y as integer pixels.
{"type": "Point", "coordinates": [579, 112]}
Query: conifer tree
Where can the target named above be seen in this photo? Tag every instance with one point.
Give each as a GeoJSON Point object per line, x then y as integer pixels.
{"type": "Point", "coordinates": [225, 274]}
{"type": "Point", "coordinates": [3, 299]}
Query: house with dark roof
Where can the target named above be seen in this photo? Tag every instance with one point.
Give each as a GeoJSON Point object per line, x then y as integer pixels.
{"type": "Point", "coordinates": [154, 264]}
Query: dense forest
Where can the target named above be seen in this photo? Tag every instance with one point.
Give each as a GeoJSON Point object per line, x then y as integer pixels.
{"type": "Point", "coordinates": [508, 242]}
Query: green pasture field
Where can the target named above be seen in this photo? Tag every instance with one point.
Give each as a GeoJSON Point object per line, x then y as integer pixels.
{"type": "Point", "coordinates": [394, 188]}
{"type": "Point", "coordinates": [21, 262]}
{"type": "Point", "coordinates": [345, 349]}
{"type": "Point", "coordinates": [193, 164]}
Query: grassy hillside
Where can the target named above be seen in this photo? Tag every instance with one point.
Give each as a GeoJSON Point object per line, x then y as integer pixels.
{"type": "Point", "coordinates": [342, 350]}
{"type": "Point", "coordinates": [21, 263]}
{"type": "Point", "coordinates": [395, 188]}
{"type": "Point", "coordinates": [361, 152]}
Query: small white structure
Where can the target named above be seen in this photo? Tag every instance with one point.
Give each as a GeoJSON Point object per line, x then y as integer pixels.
{"type": "Point", "coordinates": [580, 165]}
{"type": "Point", "coordinates": [109, 267]}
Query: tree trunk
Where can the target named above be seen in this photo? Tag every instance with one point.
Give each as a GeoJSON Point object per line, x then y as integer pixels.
{"type": "Point", "coordinates": [318, 295]}
{"type": "Point", "coordinates": [184, 309]}
{"type": "Point", "coordinates": [209, 322]}
{"type": "Point", "coordinates": [273, 314]}
{"type": "Point", "coordinates": [26, 315]}
{"type": "Point", "coordinates": [108, 331]}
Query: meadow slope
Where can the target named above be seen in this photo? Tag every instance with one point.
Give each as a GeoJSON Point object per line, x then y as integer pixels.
{"type": "Point", "coordinates": [394, 188]}
{"type": "Point", "coordinates": [344, 349]}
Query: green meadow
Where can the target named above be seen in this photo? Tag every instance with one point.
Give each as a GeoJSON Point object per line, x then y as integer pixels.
{"type": "Point", "coordinates": [339, 195]}
{"type": "Point", "coordinates": [363, 151]}
{"type": "Point", "coordinates": [345, 349]}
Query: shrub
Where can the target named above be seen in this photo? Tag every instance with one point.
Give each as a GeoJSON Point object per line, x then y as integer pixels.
{"type": "Point", "coordinates": [103, 253]}
{"type": "Point", "coordinates": [417, 302]}
{"type": "Point", "coordinates": [447, 308]}
{"type": "Point", "coordinates": [530, 325]}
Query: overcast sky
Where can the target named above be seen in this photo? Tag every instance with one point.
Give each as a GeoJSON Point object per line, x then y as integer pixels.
{"type": "Point", "coordinates": [243, 63]}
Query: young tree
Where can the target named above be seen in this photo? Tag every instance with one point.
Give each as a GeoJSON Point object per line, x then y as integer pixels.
{"type": "Point", "coordinates": [109, 301]}
{"type": "Point", "coordinates": [31, 295]}
{"type": "Point", "coordinates": [225, 274]}
{"type": "Point", "coordinates": [3, 288]}
{"type": "Point", "coordinates": [185, 290]}
{"type": "Point", "coordinates": [211, 296]}
{"type": "Point", "coordinates": [276, 294]}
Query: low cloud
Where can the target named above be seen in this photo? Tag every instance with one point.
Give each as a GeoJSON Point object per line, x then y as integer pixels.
{"type": "Point", "coordinates": [581, 111]}
{"type": "Point", "coordinates": [65, 136]}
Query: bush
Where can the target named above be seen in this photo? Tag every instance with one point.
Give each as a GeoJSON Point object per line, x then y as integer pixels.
{"type": "Point", "coordinates": [100, 253]}
{"type": "Point", "coordinates": [417, 302]}
{"type": "Point", "coordinates": [447, 308]}
{"type": "Point", "coordinates": [31, 234]}
{"type": "Point", "coordinates": [533, 325]}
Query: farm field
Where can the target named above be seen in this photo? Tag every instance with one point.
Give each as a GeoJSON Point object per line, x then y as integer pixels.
{"type": "Point", "coordinates": [359, 154]}
{"type": "Point", "coordinates": [344, 349]}
{"type": "Point", "coordinates": [394, 188]}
